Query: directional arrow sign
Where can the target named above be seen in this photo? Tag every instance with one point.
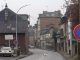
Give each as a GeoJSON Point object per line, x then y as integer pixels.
{"type": "Point", "coordinates": [76, 32]}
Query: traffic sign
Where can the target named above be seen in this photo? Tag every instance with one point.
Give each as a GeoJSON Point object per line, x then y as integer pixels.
{"type": "Point", "coordinates": [76, 32]}
{"type": "Point", "coordinates": [15, 42]}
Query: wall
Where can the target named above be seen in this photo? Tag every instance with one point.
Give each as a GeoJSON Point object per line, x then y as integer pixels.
{"type": "Point", "coordinates": [47, 21]}
{"type": "Point", "coordinates": [21, 41]}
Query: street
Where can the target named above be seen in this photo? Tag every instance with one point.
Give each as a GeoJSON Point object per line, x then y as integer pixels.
{"type": "Point", "coordinates": [43, 55]}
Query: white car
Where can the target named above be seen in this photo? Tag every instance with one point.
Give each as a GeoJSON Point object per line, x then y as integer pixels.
{"type": "Point", "coordinates": [6, 51]}
{"type": "Point", "coordinates": [31, 46]}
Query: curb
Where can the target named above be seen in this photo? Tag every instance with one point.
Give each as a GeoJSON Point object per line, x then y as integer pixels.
{"type": "Point", "coordinates": [20, 57]}
{"type": "Point", "coordinates": [63, 56]}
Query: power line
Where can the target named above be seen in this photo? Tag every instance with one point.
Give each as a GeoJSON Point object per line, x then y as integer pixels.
{"type": "Point", "coordinates": [33, 18]}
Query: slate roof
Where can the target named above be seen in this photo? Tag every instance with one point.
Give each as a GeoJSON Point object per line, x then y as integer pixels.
{"type": "Point", "coordinates": [50, 14]}
{"type": "Point", "coordinates": [36, 26]}
{"type": "Point", "coordinates": [31, 32]}
{"type": "Point", "coordinates": [45, 31]}
{"type": "Point", "coordinates": [9, 26]}
{"type": "Point", "coordinates": [24, 16]}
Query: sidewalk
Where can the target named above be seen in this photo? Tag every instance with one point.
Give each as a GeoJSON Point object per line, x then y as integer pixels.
{"type": "Point", "coordinates": [23, 56]}
{"type": "Point", "coordinates": [64, 54]}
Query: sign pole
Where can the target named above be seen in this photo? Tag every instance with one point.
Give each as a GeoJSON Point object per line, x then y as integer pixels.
{"type": "Point", "coordinates": [77, 49]}
{"type": "Point", "coordinates": [76, 32]}
{"type": "Point", "coordinates": [9, 43]}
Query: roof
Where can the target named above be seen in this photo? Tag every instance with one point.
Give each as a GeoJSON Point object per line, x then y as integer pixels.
{"type": "Point", "coordinates": [31, 32]}
{"type": "Point", "coordinates": [63, 20]}
{"type": "Point", "coordinates": [24, 16]}
{"type": "Point", "coordinates": [50, 14]}
{"type": "Point", "coordinates": [9, 26]}
{"type": "Point", "coordinates": [36, 26]}
{"type": "Point", "coordinates": [45, 31]}
{"type": "Point", "coordinates": [49, 39]}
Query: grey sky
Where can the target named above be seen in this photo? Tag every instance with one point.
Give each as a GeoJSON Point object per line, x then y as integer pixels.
{"type": "Point", "coordinates": [36, 7]}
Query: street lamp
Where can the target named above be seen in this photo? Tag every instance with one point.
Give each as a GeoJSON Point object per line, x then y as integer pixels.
{"type": "Point", "coordinates": [16, 24]}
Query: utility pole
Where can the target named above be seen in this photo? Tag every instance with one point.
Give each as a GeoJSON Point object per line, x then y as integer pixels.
{"type": "Point", "coordinates": [79, 10]}
{"type": "Point", "coordinates": [79, 23]}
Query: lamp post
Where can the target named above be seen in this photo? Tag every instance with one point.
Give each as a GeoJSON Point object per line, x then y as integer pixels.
{"type": "Point", "coordinates": [16, 24]}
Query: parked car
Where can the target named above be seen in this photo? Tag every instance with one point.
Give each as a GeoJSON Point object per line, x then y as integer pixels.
{"type": "Point", "coordinates": [31, 46]}
{"type": "Point", "coordinates": [6, 51]}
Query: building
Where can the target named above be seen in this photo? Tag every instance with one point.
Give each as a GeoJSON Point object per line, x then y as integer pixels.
{"type": "Point", "coordinates": [47, 18]}
{"type": "Point", "coordinates": [31, 36]}
{"type": "Point", "coordinates": [68, 43]}
{"type": "Point", "coordinates": [36, 35]}
{"type": "Point", "coordinates": [46, 37]}
{"type": "Point", "coordinates": [63, 31]}
{"type": "Point", "coordinates": [8, 27]}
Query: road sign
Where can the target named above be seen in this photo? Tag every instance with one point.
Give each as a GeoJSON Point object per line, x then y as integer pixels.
{"type": "Point", "coordinates": [15, 42]}
{"type": "Point", "coordinates": [8, 37]}
{"type": "Point", "coordinates": [76, 32]}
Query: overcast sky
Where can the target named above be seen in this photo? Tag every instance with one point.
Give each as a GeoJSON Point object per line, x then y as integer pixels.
{"type": "Point", "coordinates": [36, 7]}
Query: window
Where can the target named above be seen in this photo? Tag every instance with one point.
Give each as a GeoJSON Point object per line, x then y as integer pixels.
{"type": "Point", "coordinates": [47, 14]}
{"type": "Point", "coordinates": [52, 14]}
{"type": "Point", "coordinates": [61, 32]}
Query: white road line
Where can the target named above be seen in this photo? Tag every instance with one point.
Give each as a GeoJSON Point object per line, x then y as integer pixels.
{"type": "Point", "coordinates": [41, 58]}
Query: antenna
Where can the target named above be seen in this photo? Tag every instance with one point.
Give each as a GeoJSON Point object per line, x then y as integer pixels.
{"type": "Point", "coordinates": [5, 2]}
{"type": "Point", "coordinates": [47, 8]}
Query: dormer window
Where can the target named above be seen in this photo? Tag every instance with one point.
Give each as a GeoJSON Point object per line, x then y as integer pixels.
{"type": "Point", "coordinates": [52, 14]}
{"type": "Point", "coordinates": [47, 14]}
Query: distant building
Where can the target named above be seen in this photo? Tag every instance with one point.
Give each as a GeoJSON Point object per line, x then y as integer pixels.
{"type": "Point", "coordinates": [36, 35]}
{"type": "Point", "coordinates": [47, 18]}
{"type": "Point", "coordinates": [31, 35]}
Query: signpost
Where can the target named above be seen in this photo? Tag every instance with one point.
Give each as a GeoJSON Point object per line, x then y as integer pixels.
{"type": "Point", "coordinates": [15, 42]}
{"type": "Point", "coordinates": [76, 32]}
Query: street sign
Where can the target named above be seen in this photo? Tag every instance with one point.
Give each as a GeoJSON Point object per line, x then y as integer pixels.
{"type": "Point", "coordinates": [76, 32]}
{"type": "Point", "coordinates": [15, 42]}
{"type": "Point", "coordinates": [8, 37]}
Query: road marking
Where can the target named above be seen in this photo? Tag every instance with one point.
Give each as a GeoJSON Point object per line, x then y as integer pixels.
{"type": "Point", "coordinates": [41, 58]}
{"type": "Point", "coordinates": [45, 54]}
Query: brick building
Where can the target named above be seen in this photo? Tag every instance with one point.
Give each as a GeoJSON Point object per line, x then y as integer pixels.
{"type": "Point", "coordinates": [47, 18]}
{"type": "Point", "coordinates": [8, 27]}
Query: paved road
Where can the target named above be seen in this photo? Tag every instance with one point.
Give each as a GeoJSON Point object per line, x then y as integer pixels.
{"type": "Point", "coordinates": [40, 55]}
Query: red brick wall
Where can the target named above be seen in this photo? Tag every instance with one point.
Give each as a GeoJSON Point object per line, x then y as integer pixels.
{"type": "Point", "coordinates": [21, 40]}
{"type": "Point", "coordinates": [47, 21]}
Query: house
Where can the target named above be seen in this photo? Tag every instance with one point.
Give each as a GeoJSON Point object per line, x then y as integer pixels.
{"type": "Point", "coordinates": [68, 43]}
{"type": "Point", "coordinates": [36, 35]}
{"type": "Point", "coordinates": [72, 21]}
{"type": "Point", "coordinates": [8, 27]}
{"type": "Point", "coordinates": [31, 35]}
{"type": "Point", "coordinates": [63, 31]}
{"type": "Point", "coordinates": [47, 18]}
{"type": "Point", "coordinates": [46, 37]}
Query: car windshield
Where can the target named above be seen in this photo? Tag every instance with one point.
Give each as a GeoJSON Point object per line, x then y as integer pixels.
{"type": "Point", "coordinates": [5, 48]}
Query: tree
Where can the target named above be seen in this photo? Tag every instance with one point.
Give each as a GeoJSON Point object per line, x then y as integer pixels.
{"type": "Point", "coordinates": [73, 13]}
{"type": "Point", "coordinates": [55, 38]}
